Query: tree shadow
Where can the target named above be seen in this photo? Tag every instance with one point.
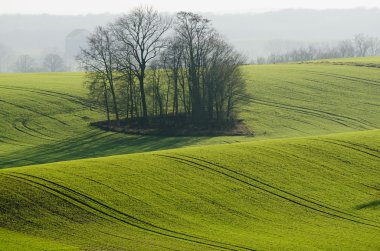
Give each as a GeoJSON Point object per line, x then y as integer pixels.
{"type": "Point", "coordinates": [94, 143]}
{"type": "Point", "coordinates": [372, 204]}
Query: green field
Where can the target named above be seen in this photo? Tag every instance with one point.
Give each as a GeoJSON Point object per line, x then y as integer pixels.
{"type": "Point", "coordinates": [307, 180]}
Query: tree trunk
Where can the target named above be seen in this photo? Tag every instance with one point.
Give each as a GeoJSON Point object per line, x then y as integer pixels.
{"type": "Point", "coordinates": [175, 101]}
{"type": "Point", "coordinates": [130, 82]}
{"type": "Point", "coordinates": [142, 91]}
{"type": "Point", "coordinates": [106, 104]}
{"type": "Point", "coordinates": [110, 80]}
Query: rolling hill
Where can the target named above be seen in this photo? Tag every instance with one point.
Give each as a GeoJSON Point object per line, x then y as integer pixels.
{"type": "Point", "coordinates": [308, 180]}
{"type": "Point", "coordinates": [314, 193]}
{"type": "Point", "coordinates": [45, 116]}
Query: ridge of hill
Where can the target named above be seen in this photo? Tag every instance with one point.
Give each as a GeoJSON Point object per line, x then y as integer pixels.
{"type": "Point", "coordinates": [314, 193]}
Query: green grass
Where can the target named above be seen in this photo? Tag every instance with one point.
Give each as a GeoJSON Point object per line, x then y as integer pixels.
{"type": "Point", "coordinates": [45, 118]}
{"type": "Point", "coordinates": [285, 194]}
{"type": "Point", "coordinates": [368, 60]}
{"type": "Point", "coordinates": [15, 241]}
{"type": "Point", "coordinates": [363, 61]}
{"type": "Point", "coordinates": [308, 180]}
{"type": "Point", "coordinates": [293, 100]}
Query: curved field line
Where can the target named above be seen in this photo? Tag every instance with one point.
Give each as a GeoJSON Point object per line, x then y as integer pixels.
{"type": "Point", "coordinates": [361, 146]}
{"type": "Point", "coordinates": [31, 110]}
{"type": "Point", "coordinates": [120, 216]}
{"type": "Point", "coordinates": [299, 110]}
{"type": "Point", "coordinates": [345, 77]}
{"type": "Point", "coordinates": [126, 238]}
{"type": "Point", "coordinates": [104, 185]}
{"type": "Point", "coordinates": [14, 125]}
{"type": "Point", "coordinates": [65, 96]}
{"type": "Point", "coordinates": [340, 119]}
{"type": "Point", "coordinates": [239, 179]}
{"type": "Point", "coordinates": [6, 140]}
{"type": "Point", "coordinates": [102, 213]}
{"type": "Point", "coordinates": [349, 146]}
{"type": "Point", "coordinates": [24, 123]}
{"type": "Point", "coordinates": [321, 203]}
{"type": "Point", "coordinates": [279, 189]}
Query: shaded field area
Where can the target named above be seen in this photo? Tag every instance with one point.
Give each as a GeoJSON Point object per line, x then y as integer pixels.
{"type": "Point", "coordinates": [312, 193]}
{"type": "Point", "coordinates": [45, 117]}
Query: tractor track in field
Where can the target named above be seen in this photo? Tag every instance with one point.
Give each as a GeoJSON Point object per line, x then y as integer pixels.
{"type": "Point", "coordinates": [361, 146]}
{"type": "Point", "coordinates": [350, 145]}
{"type": "Point", "coordinates": [106, 212]}
{"type": "Point", "coordinates": [325, 84]}
{"type": "Point", "coordinates": [332, 208]}
{"type": "Point", "coordinates": [34, 111]}
{"type": "Point", "coordinates": [345, 77]}
{"type": "Point", "coordinates": [340, 119]}
{"type": "Point", "coordinates": [24, 124]}
{"type": "Point", "coordinates": [64, 96]}
{"type": "Point", "coordinates": [104, 185]}
{"type": "Point", "coordinates": [130, 239]}
{"type": "Point", "coordinates": [11, 141]}
{"type": "Point", "coordinates": [267, 187]}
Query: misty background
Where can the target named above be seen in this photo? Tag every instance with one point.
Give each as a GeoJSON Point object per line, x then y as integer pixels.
{"type": "Point", "coordinates": [31, 40]}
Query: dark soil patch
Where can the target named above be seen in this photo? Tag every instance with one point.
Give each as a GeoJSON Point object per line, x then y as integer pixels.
{"type": "Point", "coordinates": [175, 126]}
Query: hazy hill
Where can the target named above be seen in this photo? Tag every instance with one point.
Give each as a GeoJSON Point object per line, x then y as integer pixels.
{"type": "Point", "coordinates": [255, 34]}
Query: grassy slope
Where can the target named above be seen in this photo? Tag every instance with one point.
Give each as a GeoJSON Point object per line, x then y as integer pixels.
{"type": "Point", "coordinates": [364, 61]}
{"type": "Point", "coordinates": [45, 119]}
{"type": "Point", "coordinates": [319, 192]}
{"type": "Point", "coordinates": [309, 193]}
{"type": "Point", "coordinates": [294, 100]}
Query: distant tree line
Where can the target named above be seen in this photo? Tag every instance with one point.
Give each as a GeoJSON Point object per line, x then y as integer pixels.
{"type": "Point", "coordinates": [26, 63]}
{"type": "Point", "coordinates": [146, 65]}
{"type": "Point", "coordinates": [360, 46]}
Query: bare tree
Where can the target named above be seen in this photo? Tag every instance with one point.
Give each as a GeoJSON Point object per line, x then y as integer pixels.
{"type": "Point", "coordinates": [362, 44]}
{"type": "Point", "coordinates": [99, 58]}
{"type": "Point", "coordinates": [127, 76]}
{"type": "Point", "coordinates": [172, 59]}
{"type": "Point", "coordinates": [98, 91]}
{"type": "Point", "coordinates": [53, 63]}
{"type": "Point", "coordinates": [24, 63]}
{"type": "Point", "coordinates": [142, 34]}
{"type": "Point", "coordinates": [346, 49]}
{"type": "Point", "coordinates": [374, 46]}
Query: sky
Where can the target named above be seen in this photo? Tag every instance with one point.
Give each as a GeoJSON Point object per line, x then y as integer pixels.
{"type": "Point", "coordinates": [63, 7]}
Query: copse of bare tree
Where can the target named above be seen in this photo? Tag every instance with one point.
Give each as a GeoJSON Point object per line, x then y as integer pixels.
{"type": "Point", "coordinates": [155, 67]}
